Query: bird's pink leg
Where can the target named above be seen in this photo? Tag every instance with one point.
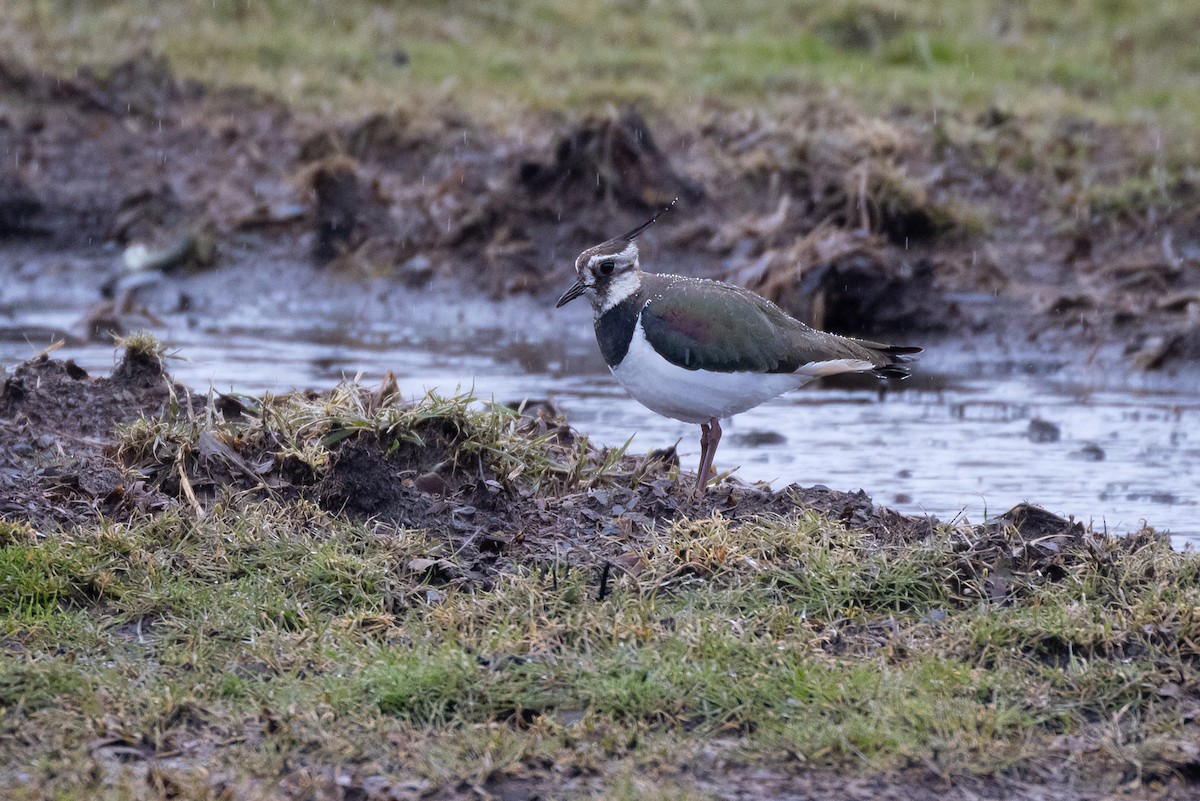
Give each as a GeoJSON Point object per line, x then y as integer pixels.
{"type": "Point", "coordinates": [710, 436]}
{"type": "Point", "coordinates": [714, 439]}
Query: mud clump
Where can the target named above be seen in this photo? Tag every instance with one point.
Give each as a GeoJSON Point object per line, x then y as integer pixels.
{"type": "Point", "coordinates": [1035, 523]}
{"type": "Point", "coordinates": [338, 200]}
{"type": "Point", "coordinates": [856, 510]}
{"type": "Point", "coordinates": [519, 224]}
{"type": "Point", "coordinates": [363, 482]}
{"type": "Point", "coordinates": [1027, 547]}
{"type": "Point", "coordinates": [375, 476]}
{"type": "Point", "coordinates": [1169, 351]}
{"type": "Point", "coordinates": [849, 283]}
{"type": "Point", "coordinates": [386, 140]}
{"type": "Point", "coordinates": [57, 398]}
{"type": "Point", "coordinates": [144, 86]}
{"type": "Point", "coordinates": [56, 434]}
{"type": "Point", "coordinates": [496, 523]}
{"type": "Point", "coordinates": [610, 158]}
{"type": "Point", "coordinates": [856, 297]}
{"type": "Point", "coordinates": [902, 212]}
{"type": "Point", "coordinates": [145, 212]}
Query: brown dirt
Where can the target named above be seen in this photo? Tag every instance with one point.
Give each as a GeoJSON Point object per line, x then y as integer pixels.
{"type": "Point", "coordinates": [862, 226]}
{"type": "Point", "coordinates": [56, 436]}
{"type": "Point", "coordinates": [493, 528]}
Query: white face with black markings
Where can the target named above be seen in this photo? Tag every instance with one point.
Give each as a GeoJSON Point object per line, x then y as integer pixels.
{"type": "Point", "coordinates": [607, 274]}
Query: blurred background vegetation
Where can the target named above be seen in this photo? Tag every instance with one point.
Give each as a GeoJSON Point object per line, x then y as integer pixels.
{"type": "Point", "coordinates": [1108, 60]}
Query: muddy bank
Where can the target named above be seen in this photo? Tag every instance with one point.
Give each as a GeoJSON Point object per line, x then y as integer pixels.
{"type": "Point", "coordinates": [501, 489]}
{"type": "Point", "coordinates": [57, 429]}
{"type": "Point", "coordinates": [71, 455]}
{"type": "Point", "coordinates": [893, 226]}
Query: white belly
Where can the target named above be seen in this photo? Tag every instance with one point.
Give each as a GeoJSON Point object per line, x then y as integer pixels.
{"type": "Point", "coordinates": [695, 396]}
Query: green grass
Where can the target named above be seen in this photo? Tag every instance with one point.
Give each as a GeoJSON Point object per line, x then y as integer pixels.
{"type": "Point", "coordinates": [1106, 59]}
{"type": "Point", "coordinates": [289, 633]}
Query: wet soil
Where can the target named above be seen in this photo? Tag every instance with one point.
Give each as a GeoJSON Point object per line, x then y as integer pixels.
{"type": "Point", "coordinates": [62, 466]}
{"type": "Point", "coordinates": [57, 429]}
{"type": "Point", "coordinates": [65, 463]}
{"type": "Point", "coordinates": [894, 226]}
{"type": "Point", "coordinates": [495, 528]}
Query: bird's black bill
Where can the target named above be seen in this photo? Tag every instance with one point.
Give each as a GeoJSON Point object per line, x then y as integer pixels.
{"type": "Point", "coordinates": [575, 291]}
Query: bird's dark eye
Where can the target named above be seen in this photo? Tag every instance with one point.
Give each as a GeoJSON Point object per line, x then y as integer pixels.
{"type": "Point", "coordinates": [606, 267]}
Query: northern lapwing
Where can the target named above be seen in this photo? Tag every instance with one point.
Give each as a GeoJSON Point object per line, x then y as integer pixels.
{"type": "Point", "coordinates": [700, 351]}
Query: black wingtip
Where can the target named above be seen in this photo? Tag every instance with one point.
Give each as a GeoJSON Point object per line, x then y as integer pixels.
{"type": "Point", "coordinates": [892, 371]}
{"type": "Point", "coordinates": [901, 355]}
{"type": "Point", "coordinates": [632, 235]}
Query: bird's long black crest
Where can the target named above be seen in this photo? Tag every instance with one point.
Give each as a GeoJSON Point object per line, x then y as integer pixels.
{"type": "Point", "coordinates": [632, 235]}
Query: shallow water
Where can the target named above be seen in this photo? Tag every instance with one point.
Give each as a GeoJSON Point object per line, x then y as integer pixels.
{"type": "Point", "coordinates": [955, 442]}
